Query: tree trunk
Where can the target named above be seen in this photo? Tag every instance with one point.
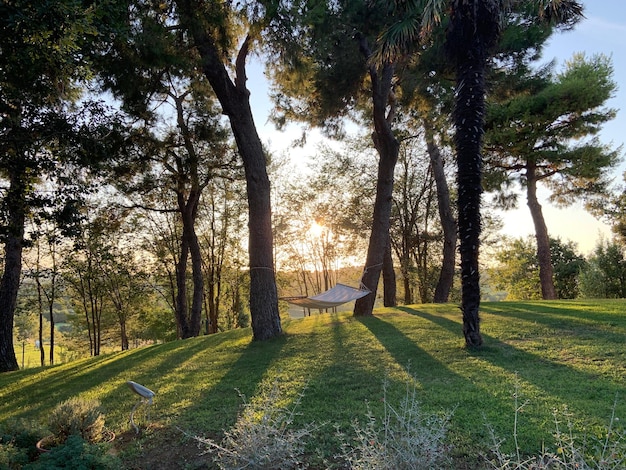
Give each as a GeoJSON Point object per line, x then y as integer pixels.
{"type": "Point", "coordinates": [408, 291]}
{"type": "Point", "coordinates": [473, 29]}
{"type": "Point", "coordinates": [446, 216]}
{"type": "Point", "coordinates": [124, 336]}
{"type": "Point", "coordinates": [212, 310]}
{"type": "Point", "coordinates": [181, 309]}
{"type": "Point", "coordinates": [51, 313]}
{"type": "Point", "coordinates": [10, 281]}
{"type": "Point", "coordinates": [388, 147]}
{"type": "Point", "coordinates": [42, 354]}
{"type": "Point", "coordinates": [389, 280]}
{"type": "Point", "coordinates": [544, 257]}
{"type": "Point", "coordinates": [195, 318]}
{"type": "Point", "coordinates": [235, 101]}
{"type": "Point", "coordinates": [189, 321]}
{"type": "Point", "coordinates": [263, 291]}
{"type": "Point", "coordinates": [470, 89]}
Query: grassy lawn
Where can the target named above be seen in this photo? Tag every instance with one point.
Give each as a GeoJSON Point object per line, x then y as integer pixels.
{"type": "Point", "coordinates": [553, 355]}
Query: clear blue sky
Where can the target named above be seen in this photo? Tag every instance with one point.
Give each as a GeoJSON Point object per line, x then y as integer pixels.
{"type": "Point", "coordinates": [602, 31]}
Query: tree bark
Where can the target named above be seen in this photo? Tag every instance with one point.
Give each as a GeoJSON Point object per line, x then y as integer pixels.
{"type": "Point", "coordinates": [189, 321]}
{"type": "Point", "coordinates": [181, 310]}
{"type": "Point", "coordinates": [544, 258]}
{"type": "Point", "coordinates": [123, 335]}
{"type": "Point", "coordinates": [52, 329]}
{"type": "Point", "coordinates": [235, 101]}
{"type": "Point", "coordinates": [389, 280]}
{"type": "Point", "coordinates": [446, 216]}
{"type": "Point", "coordinates": [10, 281]}
{"type": "Point", "coordinates": [473, 29]}
{"type": "Point", "coordinates": [388, 147]}
{"type": "Point", "coordinates": [408, 290]}
{"type": "Point", "coordinates": [469, 118]}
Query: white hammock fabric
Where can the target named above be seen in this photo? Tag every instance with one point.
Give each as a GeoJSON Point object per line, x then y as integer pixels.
{"type": "Point", "coordinates": [340, 294]}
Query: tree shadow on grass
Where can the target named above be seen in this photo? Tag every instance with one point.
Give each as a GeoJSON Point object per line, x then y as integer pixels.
{"type": "Point", "coordinates": [606, 326]}
{"type": "Point", "coordinates": [567, 384]}
{"type": "Point", "coordinates": [217, 402]}
{"type": "Point", "coordinates": [34, 395]}
{"type": "Point", "coordinates": [442, 388]}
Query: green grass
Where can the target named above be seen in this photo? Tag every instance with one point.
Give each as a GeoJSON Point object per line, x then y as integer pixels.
{"type": "Point", "coordinates": [29, 356]}
{"type": "Point", "coordinates": [554, 354]}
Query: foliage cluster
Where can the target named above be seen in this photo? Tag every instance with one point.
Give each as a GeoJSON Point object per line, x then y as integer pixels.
{"type": "Point", "coordinates": [606, 274]}
{"type": "Point", "coordinates": [517, 269]}
{"type": "Point", "coordinates": [601, 275]}
{"type": "Point", "coordinates": [77, 454]}
{"type": "Point", "coordinates": [18, 440]}
{"type": "Point", "coordinates": [77, 442]}
{"type": "Point", "coordinates": [77, 417]}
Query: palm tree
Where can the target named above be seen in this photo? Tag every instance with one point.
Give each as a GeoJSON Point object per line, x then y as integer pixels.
{"type": "Point", "coordinates": [473, 31]}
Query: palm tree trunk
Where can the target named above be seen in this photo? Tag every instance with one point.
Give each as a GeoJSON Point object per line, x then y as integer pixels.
{"type": "Point", "coordinates": [472, 31]}
{"type": "Point", "coordinates": [469, 177]}
{"type": "Point", "coordinates": [544, 258]}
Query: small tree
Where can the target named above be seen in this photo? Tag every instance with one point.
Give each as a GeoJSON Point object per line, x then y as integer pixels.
{"type": "Point", "coordinates": [568, 265]}
{"type": "Point", "coordinates": [605, 274]}
{"type": "Point", "coordinates": [518, 269]}
{"type": "Point", "coordinates": [415, 237]}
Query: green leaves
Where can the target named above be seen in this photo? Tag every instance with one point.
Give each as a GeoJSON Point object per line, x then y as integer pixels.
{"type": "Point", "coordinates": [545, 123]}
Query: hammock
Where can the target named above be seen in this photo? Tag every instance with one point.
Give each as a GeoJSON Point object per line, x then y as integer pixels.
{"type": "Point", "coordinates": [340, 294]}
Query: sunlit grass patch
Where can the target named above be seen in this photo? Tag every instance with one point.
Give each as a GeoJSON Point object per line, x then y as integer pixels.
{"type": "Point", "coordinates": [553, 354]}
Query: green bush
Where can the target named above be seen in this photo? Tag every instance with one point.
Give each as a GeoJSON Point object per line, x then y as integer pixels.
{"type": "Point", "coordinates": [11, 456]}
{"type": "Point", "coordinates": [18, 443]}
{"type": "Point", "coordinates": [76, 454]}
{"type": "Point", "coordinates": [77, 417]}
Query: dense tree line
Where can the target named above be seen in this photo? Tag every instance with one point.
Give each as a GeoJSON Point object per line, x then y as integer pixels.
{"type": "Point", "coordinates": [145, 195]}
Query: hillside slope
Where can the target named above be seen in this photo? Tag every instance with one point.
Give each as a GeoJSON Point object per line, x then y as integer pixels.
{"type": "Point", "coordinates": [552, 354]}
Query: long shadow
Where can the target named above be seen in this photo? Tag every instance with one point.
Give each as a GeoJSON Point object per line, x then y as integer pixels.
{"type": "Point", "coordinates": [564, 308]}
{"type": "Point", "coordinates": [58, 383]}
{"type": "Point", "coordinates": [217, 405]}
{"type": "Point", "coordinates": [542, 372]}
{"type": "Point", "coordinates": [597, 325]}
{"type": "Point", "coordinates": [418, 363]}
{"type": "Point", "coordinates": [444, 388]}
